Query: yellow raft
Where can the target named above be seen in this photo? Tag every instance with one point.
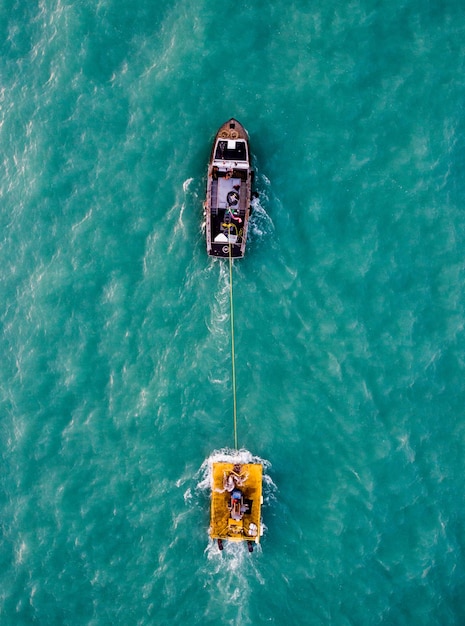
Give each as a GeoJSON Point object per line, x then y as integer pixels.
{"type": "Point", "coordinates": [236, 499]}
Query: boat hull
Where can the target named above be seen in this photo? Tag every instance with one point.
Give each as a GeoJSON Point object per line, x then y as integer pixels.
{"type": "Point", "coordinates": [229, 192]}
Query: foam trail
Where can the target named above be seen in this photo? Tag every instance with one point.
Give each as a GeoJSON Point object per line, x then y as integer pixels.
{"type": "Point", "coordinates": [261, 224]}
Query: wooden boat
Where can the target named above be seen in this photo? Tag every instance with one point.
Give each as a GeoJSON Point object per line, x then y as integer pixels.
{"type": "Point", "coordinates": [236, 499]}
{"type": "Point", "coordinates": [229, 190]}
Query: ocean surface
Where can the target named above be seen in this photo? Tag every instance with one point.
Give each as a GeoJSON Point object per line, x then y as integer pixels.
{"type": "Point", "coordinates": [115, 372]}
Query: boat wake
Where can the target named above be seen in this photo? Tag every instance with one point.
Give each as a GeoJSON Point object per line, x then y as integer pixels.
{"type": "Point", "coordinates": [261, 225]}
{"type": "Point", "coordinates": [232, 578]}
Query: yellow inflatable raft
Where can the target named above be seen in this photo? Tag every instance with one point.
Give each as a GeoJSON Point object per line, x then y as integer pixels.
{"type": "Point", "coordinates": [236, 499]}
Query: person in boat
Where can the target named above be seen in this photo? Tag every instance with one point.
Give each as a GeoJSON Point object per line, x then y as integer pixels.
{"type": "Point", "coordinates": [237, 506]}
{"type": "Point", "coordinates": [233, 214]}
{"type": "Point", "coordinates": [228, 482]}
{"type": "Point", "coordinates": [234, 479]}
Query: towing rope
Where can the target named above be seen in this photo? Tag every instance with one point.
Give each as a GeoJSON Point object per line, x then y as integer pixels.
{"type": "Point", "coordinates": [233, 353]}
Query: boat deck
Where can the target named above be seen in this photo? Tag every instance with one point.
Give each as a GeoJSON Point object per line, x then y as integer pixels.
{"type": "Point", "coordinates": [228, 205]}
{"type": "Point", "coordinates": [224, 524]}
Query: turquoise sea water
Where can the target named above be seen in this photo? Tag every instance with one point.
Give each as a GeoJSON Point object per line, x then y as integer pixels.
{"type": "Point", "coordinates": [115, 377]}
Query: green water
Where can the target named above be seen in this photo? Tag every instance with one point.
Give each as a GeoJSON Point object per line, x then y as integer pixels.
{"type": "Point", "coordinates": [115, 380]}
